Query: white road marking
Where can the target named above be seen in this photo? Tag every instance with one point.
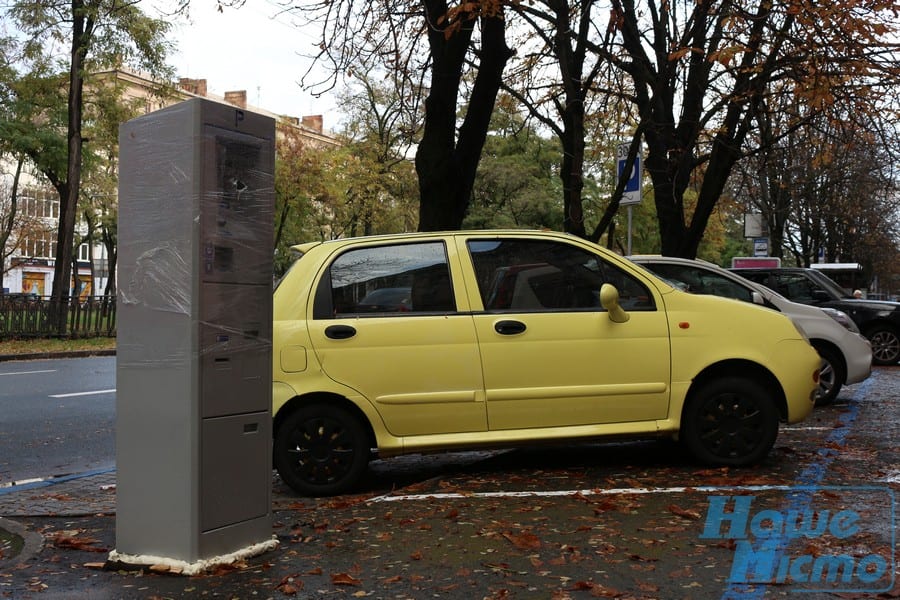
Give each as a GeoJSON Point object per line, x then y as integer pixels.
{"type": "Point", "coordinates": [9, 484]}
{"type": "Point", "coordinates": [29, 372]}
{"type": "Point", "coordinates": [805, 428]}
{"type": "Point", "coordinates": [83, 393]}
{"type": "Point", "coordinates": [590, 492]}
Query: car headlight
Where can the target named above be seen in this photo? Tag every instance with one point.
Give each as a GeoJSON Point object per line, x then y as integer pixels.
{"type": "Point", "coordinates": [842, 318]}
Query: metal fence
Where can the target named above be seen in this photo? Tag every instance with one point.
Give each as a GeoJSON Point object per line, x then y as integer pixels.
{"type": "Point", "coordinates": [26, 315]}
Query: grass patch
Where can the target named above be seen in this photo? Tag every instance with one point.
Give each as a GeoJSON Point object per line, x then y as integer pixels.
{"type": "Point", "coordinates": [41, 345]}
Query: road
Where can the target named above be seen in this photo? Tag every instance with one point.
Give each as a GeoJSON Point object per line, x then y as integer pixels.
{"type": "Point", "coordinates": [58, 417]}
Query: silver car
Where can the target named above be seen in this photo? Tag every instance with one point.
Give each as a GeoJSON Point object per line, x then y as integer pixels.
{"type": "Point", "coordinates": [846, 355]}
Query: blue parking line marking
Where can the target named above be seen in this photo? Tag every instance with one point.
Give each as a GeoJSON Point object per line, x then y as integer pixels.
{"type": "Point", "coordinates": [49, 481]}
{"type": "Point", "coordinates": [808, 480]}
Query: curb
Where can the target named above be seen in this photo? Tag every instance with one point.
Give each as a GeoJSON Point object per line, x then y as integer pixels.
{"type": "Point", "coordinates": [50, 355]}
{"type": "Point", "coordinates": [32, 542]}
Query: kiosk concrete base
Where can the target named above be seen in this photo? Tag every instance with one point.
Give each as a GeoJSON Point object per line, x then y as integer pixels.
{"type": "Point", "coordinates": [161, 564]}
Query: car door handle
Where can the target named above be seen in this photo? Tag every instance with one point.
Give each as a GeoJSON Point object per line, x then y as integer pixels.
{"type": "Point", "coordinates": [509, 327]}
{"type": "Point", "coordinates": [340, 332]}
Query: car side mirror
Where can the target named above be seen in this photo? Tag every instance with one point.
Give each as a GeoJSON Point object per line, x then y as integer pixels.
{"type": "Point", "coordinates": [609, 299]}
{"type": "Point", "coordinates": [758, 298]}
{"type": "Point", "coordinates": [820, 296]}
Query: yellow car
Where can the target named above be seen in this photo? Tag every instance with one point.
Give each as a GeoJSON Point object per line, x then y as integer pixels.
{"type": "Point", "coordinates": [508, 338]}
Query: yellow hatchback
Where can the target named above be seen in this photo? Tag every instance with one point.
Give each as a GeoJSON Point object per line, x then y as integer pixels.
{"type": "Point", "coordinates": [505, 338]}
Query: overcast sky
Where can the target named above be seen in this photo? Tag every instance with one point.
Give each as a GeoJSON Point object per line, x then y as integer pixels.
{"type": "Point", "coordinates": [254, 49]}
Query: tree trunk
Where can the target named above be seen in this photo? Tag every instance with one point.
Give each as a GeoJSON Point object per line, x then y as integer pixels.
{"type": "Point", "coordinates": [445, 163]}
{"type": "Point", "coordinates": [81, 32]}
{"type": "Point", "coordinates": [572, 167]}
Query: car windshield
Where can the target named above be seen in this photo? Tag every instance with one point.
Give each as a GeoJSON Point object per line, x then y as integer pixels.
{"type": "Point", "coordinates": [833, 289]}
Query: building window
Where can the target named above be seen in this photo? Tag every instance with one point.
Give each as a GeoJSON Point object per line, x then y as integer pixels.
{"type": "Point", "coordinates": [39, 245]}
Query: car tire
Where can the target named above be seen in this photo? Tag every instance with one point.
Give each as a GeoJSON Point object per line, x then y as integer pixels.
{"type": "Point", "coordinates": [321, 450]}
{"type": "Point", "coordinates": [832, 376]}
{"type": "Point", "coordinates": [730, 421]}
{"type": "Point", "coordinates": [885, 345]}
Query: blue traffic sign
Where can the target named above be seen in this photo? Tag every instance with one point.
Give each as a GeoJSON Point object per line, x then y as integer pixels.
{"type": "Point", "coordinates": [634, 182]}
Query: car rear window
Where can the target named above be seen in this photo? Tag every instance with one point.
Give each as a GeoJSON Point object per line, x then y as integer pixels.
{"type": "Point", "coordinates": [386, 280]}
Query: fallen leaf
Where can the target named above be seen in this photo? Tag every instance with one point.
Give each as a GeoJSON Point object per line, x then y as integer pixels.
{"type": "Point", "coordinates": [290, 585]}
{"type": "Point", "coordinates": [523, 541]}
{"type": "Point", "coordinates": [77, 543]}
{"type": "Point", "coordinates": [344, 579]}
{"type": "Point", "coordinates": [638, 557]}
{"type": "Point", "coordinates": [684, 513]}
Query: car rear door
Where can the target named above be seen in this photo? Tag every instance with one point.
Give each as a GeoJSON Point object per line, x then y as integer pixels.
{"type": "Point", "coordinates": [418, 362]}
{"type": "Point", "coordinates": [550, 354]}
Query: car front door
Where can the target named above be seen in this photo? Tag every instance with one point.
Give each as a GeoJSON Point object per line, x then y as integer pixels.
{"type": "Point", "coordinates": [415, 357]}
{"type": "Point", "coordinates": [550, 354]}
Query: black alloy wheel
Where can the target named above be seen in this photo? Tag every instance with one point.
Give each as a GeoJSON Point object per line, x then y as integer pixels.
{"type": "Point", "coordinates": [885, 346]}
{"type": "Point", "coordinates": [321, 450]}
{"type": "Point", "coordinates": [730, 421]}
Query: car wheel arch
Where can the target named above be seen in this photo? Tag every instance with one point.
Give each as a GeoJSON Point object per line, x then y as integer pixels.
{"type": "Point", "coordinates": [833, 355]}
{"type": "Point", "coordinates": [327, 398]}
{"type": "Point", "coordinates": [741, 368]}
{"type": "Point", "coordinates": [818, 343]}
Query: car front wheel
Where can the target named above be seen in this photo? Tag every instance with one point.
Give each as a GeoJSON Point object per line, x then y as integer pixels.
{"type": "Point", "coordinates": [885, 346]}
{"type": "Point", "coordinates": [321, 450]}
{"type": "Point", "coordinates": [729, 421]}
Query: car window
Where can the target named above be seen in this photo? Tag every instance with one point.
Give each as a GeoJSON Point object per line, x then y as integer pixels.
{"type": "Point", "coordinates": [532, 275]}
{"type": "Point", "coordinates": [795, 286]}
{"type": "Point", "coordinates": [824, 283]}
{"type": "Point", "coordinates": [701, 281]}
{"type": "Point", "coordinates": [387, 280]}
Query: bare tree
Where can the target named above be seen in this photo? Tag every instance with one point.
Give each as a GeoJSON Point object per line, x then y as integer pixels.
{"type": "Point", "coordinates": [699, 71]}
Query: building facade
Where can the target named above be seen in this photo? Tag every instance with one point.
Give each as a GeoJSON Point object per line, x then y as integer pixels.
{"type": "Point", "coordinates": [28, 260]}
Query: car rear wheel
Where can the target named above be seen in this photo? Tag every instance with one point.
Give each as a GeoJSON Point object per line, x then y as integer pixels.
{"type": "Point", "coordinates": [321, 450]}
{"type": "Point", "coordinates": [729, 421]}
{"type": "Point", "coordinates": [831, 376]}
{"type": "Point", "coordinates": [885, 346]}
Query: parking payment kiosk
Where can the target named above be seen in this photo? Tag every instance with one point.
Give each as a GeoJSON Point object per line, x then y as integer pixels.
{"type": "Point", "coordinates": [194, 372]}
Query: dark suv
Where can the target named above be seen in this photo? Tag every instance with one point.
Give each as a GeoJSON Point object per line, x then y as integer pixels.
{"type": "Point", "coordinates": [877, 320]}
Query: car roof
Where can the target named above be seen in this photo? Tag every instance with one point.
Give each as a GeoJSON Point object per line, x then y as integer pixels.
{"type": "Point", "coordinates": [675, 260]}
{"type": "Point", "coordinates": [307, 246]}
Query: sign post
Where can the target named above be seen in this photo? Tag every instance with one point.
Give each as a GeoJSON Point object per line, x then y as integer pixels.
{"type": "Point", "coordinates": [632, 193]}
